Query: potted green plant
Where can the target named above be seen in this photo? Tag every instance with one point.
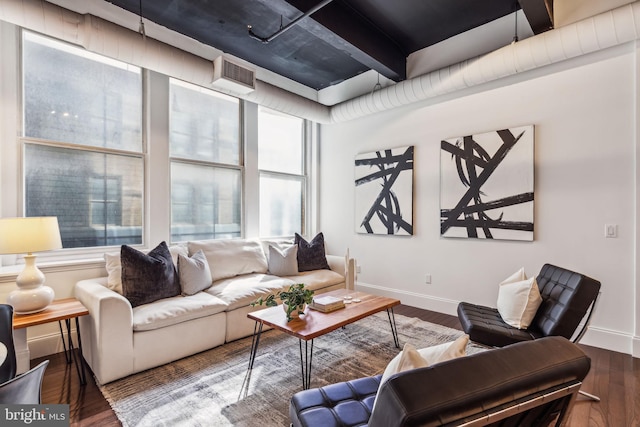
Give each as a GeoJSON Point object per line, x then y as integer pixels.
{"type": "Point", "coordinates": [294, 300]}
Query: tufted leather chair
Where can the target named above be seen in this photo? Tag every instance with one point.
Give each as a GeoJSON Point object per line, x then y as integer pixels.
{"type": "Point", "coordinates": [25, 389]}
{"type": "Point", "coordinates": [566, 298]}
{"type": "Point", "coordinates": [8, 365]}
{"type": "Point", "coordinates": [526, 384]}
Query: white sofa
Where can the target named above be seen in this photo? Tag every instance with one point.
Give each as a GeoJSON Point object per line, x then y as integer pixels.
{"type": "Point", "coordinates": [119, 340]}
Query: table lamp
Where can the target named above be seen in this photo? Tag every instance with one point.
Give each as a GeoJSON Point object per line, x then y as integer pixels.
{"type": "Point", "coordinates": [28, 235]}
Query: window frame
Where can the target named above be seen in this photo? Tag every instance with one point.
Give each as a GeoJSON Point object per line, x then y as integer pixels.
{"type": "Point", "coordinates": [90, 252]}
{"type": "Point", "coordinates": [156, 227]}
{"type": "Point", "coordinates": [240, 167]}
{"type": "Point", "coordinates": [305, 138]}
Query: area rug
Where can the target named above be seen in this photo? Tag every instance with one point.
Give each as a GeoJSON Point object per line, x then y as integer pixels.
{"type": "Point", "coordinates": [212, 388]}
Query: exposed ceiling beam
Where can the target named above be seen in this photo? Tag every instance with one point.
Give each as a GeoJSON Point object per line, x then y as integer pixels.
{"type": "Point", "coordinates": [358, 38]}
{"type": "Point", "coordinates": [539, 13]}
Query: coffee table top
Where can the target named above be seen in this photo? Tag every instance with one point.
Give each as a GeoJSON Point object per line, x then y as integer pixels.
{"type": "Point", "coordinates": [315, 323]}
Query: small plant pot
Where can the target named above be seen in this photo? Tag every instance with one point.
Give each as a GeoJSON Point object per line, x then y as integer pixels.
{"type": "Point", "coordinates": [295, 314]}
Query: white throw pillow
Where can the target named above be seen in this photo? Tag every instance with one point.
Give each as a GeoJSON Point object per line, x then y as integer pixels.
{"type": "Point", "coordinates": [410, 358]}
{"type": "Point", "coordinates": [283, 263]}
{"type": "Point", "coordinates": [279, 243]}
{"type": "Point", "coordinates": [518, 276]}
{"type": "Point", "coordinates": [194, 272]}
{"type": "Point", "coordinates": [518, 300]}
{"type": "Point", "coordinates": [231, 257]}
{"type": "Point", "coordinates": [114, 267]}
{"type": "Point", "coordinates": [114, 271]}
{"type": "Point", "coordinates": [432, 355]}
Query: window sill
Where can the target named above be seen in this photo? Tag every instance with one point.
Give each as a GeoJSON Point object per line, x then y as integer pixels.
{"type": "Point", "coordinates": [9, 273]}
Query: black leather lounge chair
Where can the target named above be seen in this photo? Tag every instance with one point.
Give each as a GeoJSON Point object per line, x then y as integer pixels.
{"type": "Point", "coordinates": [526, 384]}
{"type": "Point", "coordinates": [567, 297]}
{"type": "Point", "coordinates": [8, 366]}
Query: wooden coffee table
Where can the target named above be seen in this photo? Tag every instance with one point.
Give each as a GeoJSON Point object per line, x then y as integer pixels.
{"type": "Point", "coordinates": [315, 324]}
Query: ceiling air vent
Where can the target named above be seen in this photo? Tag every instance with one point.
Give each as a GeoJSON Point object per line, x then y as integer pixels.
{"type": "Point", "coordinates": [233, 77]}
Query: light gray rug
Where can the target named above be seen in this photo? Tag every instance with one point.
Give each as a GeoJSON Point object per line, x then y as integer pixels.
{"type": "Point", "coordinates": [212, 389]}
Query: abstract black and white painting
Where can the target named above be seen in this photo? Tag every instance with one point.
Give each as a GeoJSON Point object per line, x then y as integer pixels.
{"type": "Point", "coordinates": [384, 192]}
{"type": "Point", "coordinates": [486, 185]}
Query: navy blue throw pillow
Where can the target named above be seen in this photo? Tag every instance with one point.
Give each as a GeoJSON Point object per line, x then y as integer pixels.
{"type": "Point", "coordinates": [148, 277]}
{"type": "Point", "coordinates": [311, 255]}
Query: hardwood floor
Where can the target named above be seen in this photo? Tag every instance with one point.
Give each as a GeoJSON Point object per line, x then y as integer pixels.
{"type": "Point", "coordinates": [614, 377]}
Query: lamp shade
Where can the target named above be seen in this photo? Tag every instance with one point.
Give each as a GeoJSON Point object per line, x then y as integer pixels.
{"type": "Point", "coordinates": [27, 235]}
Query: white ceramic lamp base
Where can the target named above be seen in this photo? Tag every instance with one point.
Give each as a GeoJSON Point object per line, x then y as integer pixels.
{"type": "Point", "coordinates": [30, 300]}
{"type": "Point", "coordinates": [31, 296]}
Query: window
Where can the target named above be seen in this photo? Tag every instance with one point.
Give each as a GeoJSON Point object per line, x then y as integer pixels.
{"type": "Point", "coordinates": [106, 211]}
{"type": "Point", "coordinates": [82, 139]}
{"type": "Point", "coordinates": [282, 173]}
{"type": "Point", "coordinates": [206, 169]}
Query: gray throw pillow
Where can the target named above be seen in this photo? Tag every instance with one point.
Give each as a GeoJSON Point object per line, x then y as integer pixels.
{"type": "Point", "coordinates": [283, 263]}
{"type": "Point", "coordinates": [194, 272]}
{"type": "Point", "coordinates": [148, 277]}
{"type": "Point", "coordinates": [311, 255]}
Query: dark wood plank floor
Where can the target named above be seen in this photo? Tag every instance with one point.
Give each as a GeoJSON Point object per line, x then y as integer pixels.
{"type": "Point", "coordinates": [614, 377]}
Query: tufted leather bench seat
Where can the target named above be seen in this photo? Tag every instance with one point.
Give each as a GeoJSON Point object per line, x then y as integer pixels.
{"type": "Point", "coordinates": [566, 298]}
{"type": "Point", "coordinates": [347, 403]}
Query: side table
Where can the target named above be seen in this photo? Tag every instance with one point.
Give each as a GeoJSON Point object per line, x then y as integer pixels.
{"type": "Point", "coordinates": [59, 310]}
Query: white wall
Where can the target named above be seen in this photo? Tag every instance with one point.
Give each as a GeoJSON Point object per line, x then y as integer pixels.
{"type": "Point", "coordinates": [584, 118]}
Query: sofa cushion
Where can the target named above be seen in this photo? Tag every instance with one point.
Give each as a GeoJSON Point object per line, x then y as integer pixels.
{"type": "Point", "coordinates": [311, 255]}
{"type": "Point", "coordinates": [194, 273]}
{"type": "Point", "coordinates": [518, 300]}
{"type": "Point", "coordinates": [148, 277]}
{"type": "Point", "coordinates": [243, 290]}
{"type": "Point", "coordinates": [231, 257]}
{"type": "Point", "coordinates": [283, 262]}
{"type": "Point", "coordinates": [171, 311]}
{"type": "Point", "coordinates": [317, 279]}
{"type": "Point", "coordinates": [114, 266]}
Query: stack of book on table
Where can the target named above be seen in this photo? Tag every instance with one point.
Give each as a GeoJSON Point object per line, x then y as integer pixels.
{"type": "Point", "coordinates": [327, 303]}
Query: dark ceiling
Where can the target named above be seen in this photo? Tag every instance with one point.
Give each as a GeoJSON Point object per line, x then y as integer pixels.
{"type": "Point", "coordinates": [340, 40]}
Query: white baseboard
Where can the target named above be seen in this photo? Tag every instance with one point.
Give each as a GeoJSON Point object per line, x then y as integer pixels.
{"type": "Point", "coordinates": [609, 339]}
{"type": "Point", "coordinates": [413, 299]}
{"type": "Point", "coordinates": [40, 346]}
{"type": "Point", "coordinates": [636, 347]}
{"type": "Point", "coordinates": [595, 337]}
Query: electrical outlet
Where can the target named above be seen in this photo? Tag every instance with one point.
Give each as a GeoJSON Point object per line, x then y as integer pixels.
{"type": "Point", "coordinates": [427, 279]}
{"type": "Point", "coordinates": [611, 230]}
{"type": "Point", "coordinates": [357, 269]}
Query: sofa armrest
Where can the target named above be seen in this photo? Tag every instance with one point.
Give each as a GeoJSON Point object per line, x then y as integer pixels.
{"type": "Point", "coordinates": [107, 333]}
{"type": "Point", "coordinates": [344, 267]}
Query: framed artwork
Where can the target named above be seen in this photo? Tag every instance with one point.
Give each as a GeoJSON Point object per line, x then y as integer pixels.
{"type": "Point", "coordinates": [384, 192]}
{"type": "Point", "coordinates": [486, 185]}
